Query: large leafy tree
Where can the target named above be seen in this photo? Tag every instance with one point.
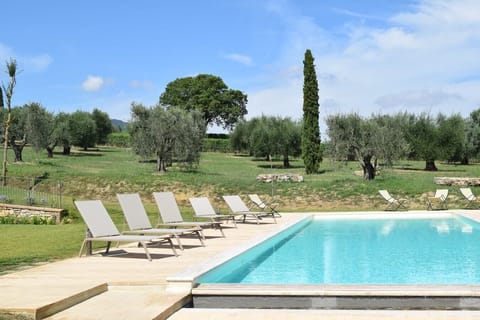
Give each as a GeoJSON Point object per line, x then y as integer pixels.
{"type": "Point", "coordinates": [171, 134]}
{"type": "Point", "coordinates": [83, 130]}
{"type": "Point", "coordinates": [311, 151]}
{"type": "Point", "coordinates": [209, 95]}
{"type": "Point", "coordinates": [103, 124]}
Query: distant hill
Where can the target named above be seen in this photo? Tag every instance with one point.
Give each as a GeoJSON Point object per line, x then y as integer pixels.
{"type": "Point", "coordinates": [119, 124]}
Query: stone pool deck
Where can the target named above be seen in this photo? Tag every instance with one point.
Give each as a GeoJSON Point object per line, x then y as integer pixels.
{"type": "Point", "coordinates": [128, 286]}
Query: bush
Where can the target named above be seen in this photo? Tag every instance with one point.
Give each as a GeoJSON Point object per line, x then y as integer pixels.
{"type": "Point", "coordinates": [216, 145]}
{"type": "Point", "coordinates": [119, 139]}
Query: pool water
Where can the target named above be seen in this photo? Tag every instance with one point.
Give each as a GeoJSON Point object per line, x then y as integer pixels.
{"type": "Point", "coordinates": [361, 251]}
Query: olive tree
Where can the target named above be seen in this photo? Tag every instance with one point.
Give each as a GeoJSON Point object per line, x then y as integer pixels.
{"type": "Point", "coordinates": [83, 130]}
{"type": "Point", "coordinates": [170, 134]}
{"type": "Point", "coordinates": [268, 137]}
{"type": "Point", "coordinates": [369, 139]}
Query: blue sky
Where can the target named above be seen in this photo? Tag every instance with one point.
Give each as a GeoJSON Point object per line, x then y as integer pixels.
{"type": "Point", "coordinates": [371, 56]}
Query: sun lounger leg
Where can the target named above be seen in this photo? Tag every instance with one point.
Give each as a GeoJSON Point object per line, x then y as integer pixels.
{"type": "Point", "coordinates": [200, 237]}
{"type": "Point", "coordinates": [83, 246]}
{"type": "Point", "coordinates": [178, 241]}
{"type": "Point", "coordinates": [172, 246]}
{"type": "Point", "coordinates": [108, 246]}
{"type": "Point", "coordinates": [146, 250]}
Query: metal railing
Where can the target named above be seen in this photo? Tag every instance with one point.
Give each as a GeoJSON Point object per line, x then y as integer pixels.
{"type": "Point", "coordinates": [39, 192]}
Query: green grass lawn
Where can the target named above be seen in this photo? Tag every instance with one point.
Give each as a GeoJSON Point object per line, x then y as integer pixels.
{"type": "Point", "coordinates": [100, 174]}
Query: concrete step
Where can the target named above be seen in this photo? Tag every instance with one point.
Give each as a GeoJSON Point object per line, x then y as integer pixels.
{"type": "Point", "coordinates": [127, 302]}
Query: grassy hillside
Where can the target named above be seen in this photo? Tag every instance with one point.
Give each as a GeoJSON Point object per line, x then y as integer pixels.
{"type": "Point", "coordinates": [100, 174]}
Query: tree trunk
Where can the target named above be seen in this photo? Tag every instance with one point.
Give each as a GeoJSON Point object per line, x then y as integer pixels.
{"type": "Point", "coordinates": [161, 165]}
{"type": "Point", "coordinates": [366, 163]}
{"type": "Point", "coordinates": [465, 161]}
{"type": "Point", "coordinates": [49, 152]}
{"type": "Point", "coordinates": [368, 168]}
{"type": "Point", "coordinates": [66, 150]}
{"type": "Point", "coordinates": [430, 165]}
{"type": "Point", "coordinates": [286, 162]}
{"type": "Point", "coordinates": [17, 148]}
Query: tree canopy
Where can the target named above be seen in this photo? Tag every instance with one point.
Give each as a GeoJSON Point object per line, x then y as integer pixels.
{"type": "Point", "coordinates": [209, 95]}
{"type": "Point", "coordinates": [168, 133]}
{"type": "Point", "coordinates": [267, 137]}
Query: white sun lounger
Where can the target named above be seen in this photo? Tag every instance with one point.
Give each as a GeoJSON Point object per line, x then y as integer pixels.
{"type": "Point", "coordinates": [138, 222]}
{"type": "Point", "coordinates": [203, 209]}
{"type": "Point", "coordinates": [171, 216]}
{"type": "Point", "coordinates": [237, 206]}
{"type": "Point", "coordinates": [101, 228]}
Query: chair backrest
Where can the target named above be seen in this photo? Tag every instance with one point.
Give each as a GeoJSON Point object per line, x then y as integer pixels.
{"type": "Point", "coordinates": [236, 204]}
{"type": "Point", "coordinates": [167, 205]}
{"type": "Point", "coordinates": [385, 194]}
{"type": "Point", "coordinates": [134, 211]}
{"type": "Point", "coordinates": [258, 202]}
{"type": "Point", "coordinates": [441, 194]}
{"type": "Point", "coordinates": [96, 218]}
{"type": "Point", "coordinates": [467, 193]}
{"type": "Point", "coordinates": [202, 206]}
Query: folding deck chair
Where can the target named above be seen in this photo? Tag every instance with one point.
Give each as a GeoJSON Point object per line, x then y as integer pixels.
{"type": "Point", "coordinates": [203, 209]}
{"type": "Point", "coordinates": [237, 206]}
{"type": "Point", "coordinates": [101, 228]}
{"type": "Point", "coordinates": [262, 205]}
{"type": "Point", "coordinates": [470, 197]}
{"type": "Point", "coordinates": [138, 222]}
{"type": "Point", "coordinates": [438, 201]}
{"type": "Point", "coordinates": [392, 203]}
{"type": "Point", "coordinates": [171, 216]}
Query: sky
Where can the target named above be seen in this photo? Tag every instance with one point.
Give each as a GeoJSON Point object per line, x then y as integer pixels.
{"type": "Point", "coordinates": [371, 56]}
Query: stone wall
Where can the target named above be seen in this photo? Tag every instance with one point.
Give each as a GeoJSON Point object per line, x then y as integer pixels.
{"type": "Point", "coordinates": [457, 181]}
{"type": "Point", "coordinates": [280, 177]}
{"type": "Point", "coordinates": [19, 211]}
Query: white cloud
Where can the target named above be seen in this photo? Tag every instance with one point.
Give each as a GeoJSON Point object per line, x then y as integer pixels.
{"type": "Point", "coordinates": [240, 58]}
{"type": "Point", "coordinates": [422, 99]}
{"type": "Point", "coordinates": [93, 83]}
{"type": "Point", "coordinates": [417, 61]}
{"type": "Point", "coordinates": [141, 84]}
{"type": "Point", "coordinates": [37, 63]}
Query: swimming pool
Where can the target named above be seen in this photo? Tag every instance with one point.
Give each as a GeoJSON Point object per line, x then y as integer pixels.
{"type": "Point", "coordinates": [210, 289]}
{"type": "Point", "coordinates": [441, 249]}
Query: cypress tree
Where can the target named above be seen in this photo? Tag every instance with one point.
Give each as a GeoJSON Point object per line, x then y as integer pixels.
{"type": "Point", "coordinates": [311, 152]}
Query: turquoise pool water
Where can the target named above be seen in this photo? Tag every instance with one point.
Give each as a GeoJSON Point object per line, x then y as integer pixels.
{"type": "Point", "coordinates": [361, 251]}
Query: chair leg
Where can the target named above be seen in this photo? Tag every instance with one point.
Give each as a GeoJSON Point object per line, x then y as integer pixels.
{"type": "Point", "coordinates": [178, 241]}
{"type": "Point", "coordinates": [108, 246]}
{"type": "Point", "coordinates": [146, 250]}
{"type": "Point", "coordinates": [200, 235]}
{"type": "Point", "coordinates": [221, 230]}
{"type": "Point", "coordinates": [169, 240]}
{"type": "Point", "coordinates": [81, 248]}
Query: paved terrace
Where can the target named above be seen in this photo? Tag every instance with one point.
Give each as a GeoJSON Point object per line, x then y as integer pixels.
{"type": "Point", "coordinates": [128, 286]}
